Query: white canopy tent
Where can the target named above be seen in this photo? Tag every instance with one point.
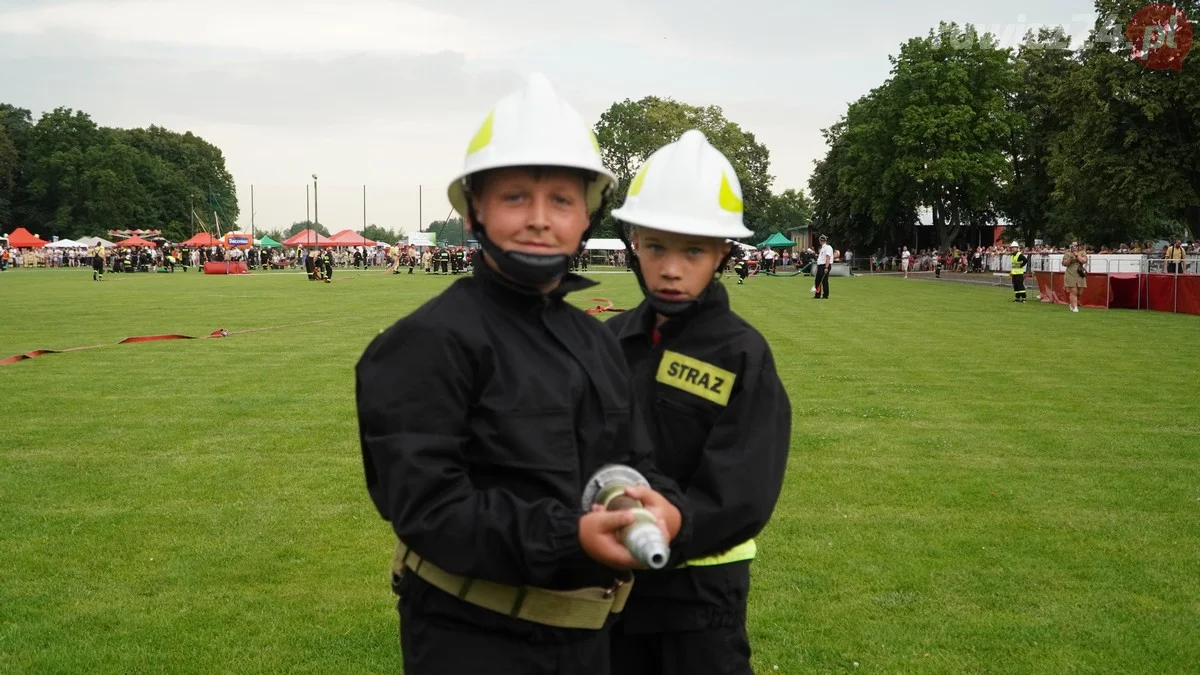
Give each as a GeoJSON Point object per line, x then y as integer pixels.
{"type": "Point", "coordinates": [65, 243]}
{"type": "Point", "coordinates": [605, 245]}
{"type": "Point", "coordinates": [92, 241]}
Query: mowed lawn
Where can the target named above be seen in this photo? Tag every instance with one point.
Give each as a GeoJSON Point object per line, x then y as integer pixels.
{"type": "Point", "coordinates": [974, 486]}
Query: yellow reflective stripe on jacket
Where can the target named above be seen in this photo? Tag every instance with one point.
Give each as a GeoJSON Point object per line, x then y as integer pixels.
{"type": "Point", "coordinates": [1017, 267]}
{"type": "Point", "coordinates": [743, 551]}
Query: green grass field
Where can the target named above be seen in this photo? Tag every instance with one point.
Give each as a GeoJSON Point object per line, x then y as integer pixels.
{"type": "Point", "coordinates": [974, 486]}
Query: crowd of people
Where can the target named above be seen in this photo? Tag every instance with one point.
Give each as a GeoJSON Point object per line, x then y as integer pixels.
{"type": "Point", "coordinates": [990, 259]}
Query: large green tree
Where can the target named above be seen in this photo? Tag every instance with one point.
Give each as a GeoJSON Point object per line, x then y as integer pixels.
{"type": "Point", "coordinates": [786, 210]}
{"type": "Point", "coordinates": [10, 162]}
{"type": "Point", "coordinates": [856, 222]}
{"type": "Point", "coordinates": [179, 166]}
{"type": "Point", "coordinates": [630, 131]}
{"type": "Point", "coordinates": [934, 134]}
{"type": "Point", "coordinates": [376, 233]}
{"type": "Point", "coordinates": [450, 232]}
{"type": "Point", "coordinates": [1128, 165]}
{"type": "Point", "coordinates": [303, 225]}
{"type": "Point", "coordinates": [947, 96]}
{"type": "Point", "coordinates": [1043, 65]}
{"type": "Point", "coordinates": [72, 178]}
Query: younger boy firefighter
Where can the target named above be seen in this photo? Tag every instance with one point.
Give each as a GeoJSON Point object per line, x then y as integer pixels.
{"type": "Point", "coordinates": [481, 470]}
{"type": "Point", "coordinates": [720, 417]}
{"type": "Point", "coordinates": [1020, 262]}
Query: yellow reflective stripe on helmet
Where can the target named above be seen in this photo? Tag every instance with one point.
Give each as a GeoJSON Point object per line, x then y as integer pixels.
{"type": "Point", "coordinates": [743, 551]}
{"type": "Point", "coordinates": [595, 141]}
{"type": "Point", "coordinates": [636, 186]}
{"type": "Point", "coordinates": [728, 199]}
{"type": "Point", "coordinates": [482, 137]}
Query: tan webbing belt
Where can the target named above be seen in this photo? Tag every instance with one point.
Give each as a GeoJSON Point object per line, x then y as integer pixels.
{"type": "Point", "coordinates": [586, 608]}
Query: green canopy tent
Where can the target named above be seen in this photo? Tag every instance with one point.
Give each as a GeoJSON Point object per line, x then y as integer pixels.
{"type": "Point", "coordinates": [776, 241]}
{"type": "Point", "coordinates": [267, 242]}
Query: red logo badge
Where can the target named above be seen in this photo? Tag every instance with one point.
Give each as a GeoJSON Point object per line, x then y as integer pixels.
{"type": "Point", "coordinates": [1161, 36]}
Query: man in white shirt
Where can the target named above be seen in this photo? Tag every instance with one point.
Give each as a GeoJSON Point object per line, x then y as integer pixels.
{"type": "Point", "coordinates": [905, 259]}
{"type": "Point", "coordinates": [824, 263]}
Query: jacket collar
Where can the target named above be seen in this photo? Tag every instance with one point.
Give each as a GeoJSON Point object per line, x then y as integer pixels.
{"type": "Point", "coordinates": [715, 301]}
{"type": "Point", "coordinates": [505, 290]}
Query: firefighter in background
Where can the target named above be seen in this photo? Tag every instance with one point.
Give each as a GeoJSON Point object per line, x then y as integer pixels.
{"type": "Point", "coordinates": [1020, 262]}
{"type": "Point", "coordinates": [310, 265]}
{"type": "Point", "coordinates": [460, 257]}
{"type": "Point", "coordinates": [427, 261]}
{"type": "Point", "coordinates": [327, 262]}
{"type": "Point", "coordinates": [98, 263]}
{"type": "Point", "coordinates": [394, 260]}
{"type": "Point", "coordinates": [741, 267]}
{"type": "Point", "coordinates": [718, 414]}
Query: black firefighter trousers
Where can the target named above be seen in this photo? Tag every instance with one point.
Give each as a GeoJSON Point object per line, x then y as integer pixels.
{"type": "Point", "coordinates": [822, 282]}
{"type": "Point", "coordinates": [1018, 284]}
{"type": "Point", "coordinates": [714, 651]}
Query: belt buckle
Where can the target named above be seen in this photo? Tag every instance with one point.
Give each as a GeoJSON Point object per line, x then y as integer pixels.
{"type": "Point", "coordinates": [616, 586]}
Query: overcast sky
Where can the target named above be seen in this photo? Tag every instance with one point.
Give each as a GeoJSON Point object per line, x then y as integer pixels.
{"type": "Point", "coordinates": [387, 93]}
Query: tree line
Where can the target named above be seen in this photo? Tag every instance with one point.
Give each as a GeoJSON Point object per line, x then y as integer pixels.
{"type": "Point", "coordinates": [67, 176]}
{"type": "Point", "coordinates": [1061, 143]}
{"type": "Point", "coordinates": [373, 232]}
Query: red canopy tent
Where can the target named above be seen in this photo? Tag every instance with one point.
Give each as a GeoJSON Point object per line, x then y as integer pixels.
{"type": "Point", "coordinates": [21, 238]}
{"type": "Point", "coordinates": [351, 238]}
{"type": "Point", "coordinates": [136, 241]}
{"type": "Point", "coordinates": [202, 239]}
{"type": "Point", "coordinates": [310, 238]}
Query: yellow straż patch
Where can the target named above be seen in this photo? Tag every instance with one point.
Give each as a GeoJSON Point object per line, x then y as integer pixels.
{"type": "Point", "coordinates": [728, 199]}
{"type": "Point", "coordinates": [483, 136]}
{"type": "Point", "coordinates": [696, 377]}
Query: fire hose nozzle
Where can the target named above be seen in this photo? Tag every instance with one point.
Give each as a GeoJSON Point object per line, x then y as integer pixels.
{"type": "Point", "coordinates": [643, 538]}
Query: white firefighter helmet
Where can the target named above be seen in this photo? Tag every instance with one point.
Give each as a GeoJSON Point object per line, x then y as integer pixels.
{"type": "Point", "coordinates": [686, 187]}
{"type": "Point", "coordinates": [534, 127]}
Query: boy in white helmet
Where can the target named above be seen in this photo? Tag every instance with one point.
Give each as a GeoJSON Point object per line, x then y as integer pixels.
{"type": "Point", "coordinates": [481, 468]}
{"type": "Point", "coordinates": [718, 413]}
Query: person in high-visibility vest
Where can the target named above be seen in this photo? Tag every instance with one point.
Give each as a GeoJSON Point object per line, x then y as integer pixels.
{"type": "Point", "coordinates": [717, 411]}
{"type": "Point", "coordinates": [1020, 262]}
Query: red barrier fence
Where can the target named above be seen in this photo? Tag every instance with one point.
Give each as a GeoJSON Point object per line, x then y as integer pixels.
{"type": "Point", "coordinates": [1178, 293]}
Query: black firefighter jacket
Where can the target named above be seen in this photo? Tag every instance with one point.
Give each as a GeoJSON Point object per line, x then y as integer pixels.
{"type": "Point", "coordinates": [721, 423]}
{"type": "Point", "coordinates": [481, 416]}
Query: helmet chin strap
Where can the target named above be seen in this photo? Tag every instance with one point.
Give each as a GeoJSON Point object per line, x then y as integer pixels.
{"type": "Point", "coordinates": [529, 269]}
{"type": "Point", "coordinates": [672, 309]}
